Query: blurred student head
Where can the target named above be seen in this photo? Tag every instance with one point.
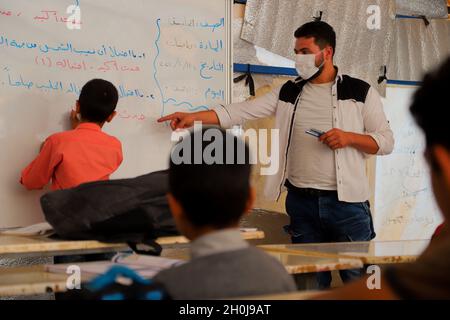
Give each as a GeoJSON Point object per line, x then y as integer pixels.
{"type": "Point", "coordinates": [97, 101]}
{"type": "Point", "coordinates": [209, 183]}
{"type": "Point", "coordinates": [429, 108]}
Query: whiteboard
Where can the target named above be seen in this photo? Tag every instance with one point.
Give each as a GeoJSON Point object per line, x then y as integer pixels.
{"type": "Point", "coordinates": [163, 56]}
{"type": "Point", "coordinates": [405, 207]}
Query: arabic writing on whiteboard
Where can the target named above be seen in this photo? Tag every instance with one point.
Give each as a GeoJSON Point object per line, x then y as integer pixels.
{"type": "Point", "coordinates": [82, 65]}
{"type": "Point", "coordinates": [70, 88]}
{"type": "Point", "coordinates": [68, 47]}
{"type": "Point", "coordinates": [212, 45]}
{"type": "Point", "coordinates": [45, 15]}
{"type": "Point", "coordinates": [110, 58]}
{"type": "Point", "coordinates": [404, 203]}
{"type": "Point", "coordinates": [207, 70]}
{"type": "Point", "coordinates": [185, 22]}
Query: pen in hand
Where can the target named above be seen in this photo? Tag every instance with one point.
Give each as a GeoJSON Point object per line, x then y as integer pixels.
{"type": "Point", "coordinates": [314, 132]}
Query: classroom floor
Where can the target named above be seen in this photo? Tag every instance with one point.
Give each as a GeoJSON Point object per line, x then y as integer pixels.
{"type": "Point", "coordinates": [271, 223]}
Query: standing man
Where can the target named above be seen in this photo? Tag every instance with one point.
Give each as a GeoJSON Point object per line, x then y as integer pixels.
{"type": "Point", "coordinates": [325, 176]}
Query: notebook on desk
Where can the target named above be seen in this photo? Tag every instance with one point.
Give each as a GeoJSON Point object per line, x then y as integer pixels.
{"type": "Point", "coordinates": [39, 229]}
{"type": "Point", "coordinates": [146, 266]}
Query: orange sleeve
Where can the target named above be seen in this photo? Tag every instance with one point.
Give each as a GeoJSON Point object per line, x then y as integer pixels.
{"type": "Point", "coordinates": [120, 160]}
{"type": "Point", "coordinates": [39, 172]}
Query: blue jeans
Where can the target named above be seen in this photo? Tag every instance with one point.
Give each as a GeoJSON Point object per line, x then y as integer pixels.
{"type": "Point", "coordinates": [315, 219]}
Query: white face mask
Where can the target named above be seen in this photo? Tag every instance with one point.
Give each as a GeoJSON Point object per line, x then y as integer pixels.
{"type": "Point", "coordinates": [305, 64]}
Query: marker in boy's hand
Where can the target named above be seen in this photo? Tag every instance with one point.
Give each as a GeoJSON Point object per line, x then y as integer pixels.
{"type": "Point", "coordinates": [74, 120]}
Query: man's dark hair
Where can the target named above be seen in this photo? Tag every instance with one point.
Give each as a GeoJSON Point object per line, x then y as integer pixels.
{"type": "Point", "coordinates": [98, 100]}
{"type": "Point", "coordinates": [429, 105]}
{"type": "Point", "coordinates": [212, 194]}
{"type": "Point", "coordinates": [322, 32]}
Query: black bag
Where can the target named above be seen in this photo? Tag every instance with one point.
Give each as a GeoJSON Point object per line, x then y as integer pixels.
{"type": "Point", "coordinates": [127, 210]}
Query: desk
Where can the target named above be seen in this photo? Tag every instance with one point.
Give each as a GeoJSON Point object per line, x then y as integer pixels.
{"type": "Point", "coordinates": [36, 280]}
{"type": "Point", "coordinates": [300, 259]}
{"type": "Point", "coordinates": [18, 246]}
{"type": "Point", "coordinates": [294, 264]}
{"type": "Point", "coordinates": [297, 264]}
{"type": "Point", "coordinates": [373, 252]}
{"type": "Point", "coordinates": [14, 246]}
{"type": "Point", "coordinates": [30, 281]}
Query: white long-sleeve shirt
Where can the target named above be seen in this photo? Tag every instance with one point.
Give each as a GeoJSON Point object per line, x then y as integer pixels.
{"type": "Point", "coordinates": [357, 108]}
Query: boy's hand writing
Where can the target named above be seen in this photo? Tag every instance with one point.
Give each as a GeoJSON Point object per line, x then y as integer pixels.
{"type": "Point", "coordinates": [74, 120]}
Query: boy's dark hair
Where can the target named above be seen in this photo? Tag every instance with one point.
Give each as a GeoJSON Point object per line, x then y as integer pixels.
{"type": "Point", "coordinates": [211, 194]}
{"type": "Point", "coordinates": [429, 106]}
{"type": "Point", "coordinates": [98, 100]}
{"type": "Point", "coordinates": [322, 32]}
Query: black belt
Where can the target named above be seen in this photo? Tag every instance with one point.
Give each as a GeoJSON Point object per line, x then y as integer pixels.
{"type": "Point", "coordinates": [309, 191]}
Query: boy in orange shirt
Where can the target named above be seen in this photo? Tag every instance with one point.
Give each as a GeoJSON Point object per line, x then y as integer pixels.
{"type": "Point", "coordinates": [85, 153]}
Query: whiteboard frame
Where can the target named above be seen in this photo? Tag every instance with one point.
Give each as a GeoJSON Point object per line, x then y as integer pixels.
{"type": "Point", "coordinates": [229, 42]}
